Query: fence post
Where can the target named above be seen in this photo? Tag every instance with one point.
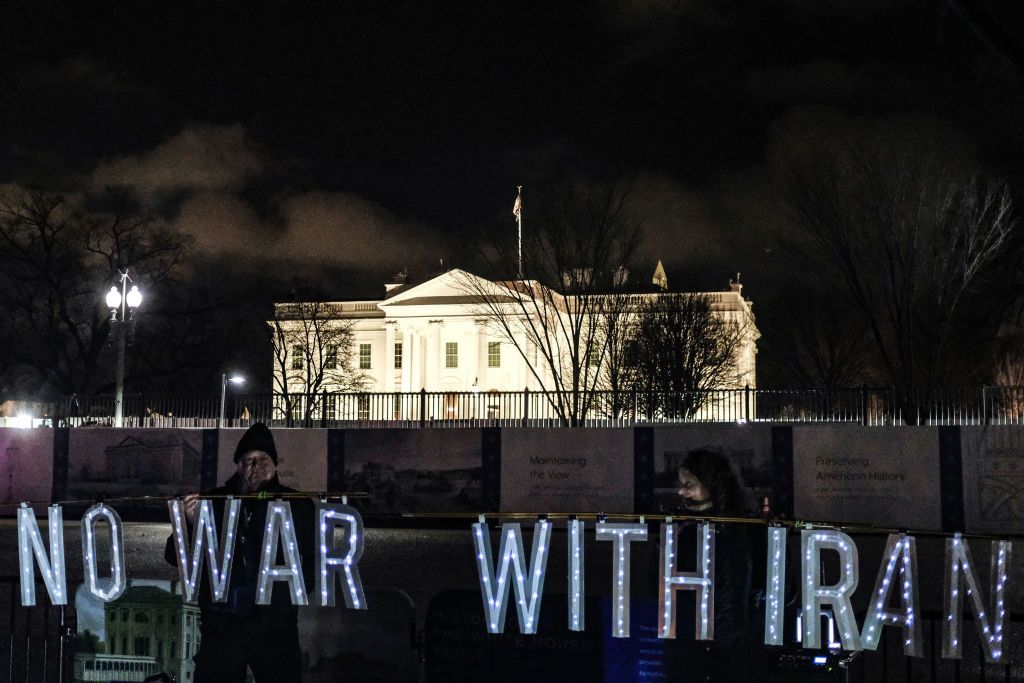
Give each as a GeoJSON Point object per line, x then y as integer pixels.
{"type": "Point", "coordinates": [864, 404]}
{"type": "Point", "coordinates": [323, 410]}
{"type": "Point", "coordinates": [985, 417]}
{"type": "Point", "coordinates": [423, 408]}
{"type": "Point", "coordinates": [746, 403]}
{"type": "Point", "coordinates": [526, 405]}
{"type": "Point", "coordinates": [142, 410]}
{"type": "Point", "coordinates": [636, 406]}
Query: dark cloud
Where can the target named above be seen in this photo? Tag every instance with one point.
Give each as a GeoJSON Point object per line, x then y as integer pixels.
{"type": "Point", "coordinates": [395, 133]}
{"type": "Point", "coordinates": [804, 132]}
{"type": "Point", "coordinates": [199, 158]}
{"type": "Point", "coordinates": [823, 81]}
{"type": "Point", "coordinates": [80, 72]}
{"type": "Point", "coordinates": [224, 224]}
{"type": "Point", "coordinates": [679, 224]}
{"type": "Point", "coordinates": [317, 229]}
{"type": "Point", "coordinates": [341, 228]}
{"type": "Point", "coordinates": [208, 182]}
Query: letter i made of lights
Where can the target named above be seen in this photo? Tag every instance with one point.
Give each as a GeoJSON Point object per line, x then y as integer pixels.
{"type": "Point", "coordinates": [775, 598]}
{"type": "Point", "coordinates": [577, 581]}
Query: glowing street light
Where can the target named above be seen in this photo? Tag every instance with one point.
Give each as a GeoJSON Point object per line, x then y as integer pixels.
{"type": "Point", "coordinates": [124, 302]}
{"type": "Point", "coordinates": [224, 379]}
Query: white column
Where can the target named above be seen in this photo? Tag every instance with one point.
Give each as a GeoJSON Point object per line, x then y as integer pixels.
{"type": "Point", "coordinates": [389, 367]}
{"type": "Point", "coordinates": [433, 361]}
{"type": "Point", "coordinates": [406, 359]}
{"type": "Point", "coordinates": [481, 355]}
{"type": "Point", "coordinates": [524, 372]}
{"type": "Point", "coordinates": [415, 361]}
{"type": "Point", "coordinates": [389, 355]}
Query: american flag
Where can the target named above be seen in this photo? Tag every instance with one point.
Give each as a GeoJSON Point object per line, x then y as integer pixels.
{"type": "Point", "coordinates": [517, 208]}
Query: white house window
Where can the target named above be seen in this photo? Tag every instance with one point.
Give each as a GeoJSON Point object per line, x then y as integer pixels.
{"type": "Point", "coordinates": [365, 357]}
{"type": "Point", "coordinates": [494, 354]}
{"type": "Point", "coordinates": [298, 351]}
{"type": "Point", "coordinates": [451, 354]}
{"type": "Point", "coordinates": [331, 357]}
{"type": "Point", "coordinates": [398, 355]}
{"type": "Point", "coordinates": [363, 407]}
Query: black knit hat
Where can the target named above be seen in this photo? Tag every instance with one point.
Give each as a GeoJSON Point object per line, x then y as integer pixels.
{"type": "Point", "coordinates": [257, 438]}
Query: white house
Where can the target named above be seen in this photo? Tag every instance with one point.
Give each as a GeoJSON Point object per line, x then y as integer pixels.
{"type": "Point", "coordinates": [435, 336]}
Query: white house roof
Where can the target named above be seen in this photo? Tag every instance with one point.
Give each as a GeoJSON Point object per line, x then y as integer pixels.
{"type": "Point", "coordinates": [457, 291]}
{"type": "Point", "coordinates": [455, 288]}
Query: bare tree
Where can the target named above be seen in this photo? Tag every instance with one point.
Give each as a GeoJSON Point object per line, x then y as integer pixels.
{"type": "Point", "coordinates": [1008, 376]}
{"type": "Point", "coordinates": [907, 239]}
{"type": "Point", "coordinates": [993, 30]}
{"type": "Point", "coordinates": [576, 252]}
{"type": "Point", "coordinates": [681, 349]}
{"type": "Point", "coordinates": [619, 368]}
{"type": "Point", "coordinates": [56, 257]}
{"type": "Point", "coordinates": [314, 353]}
{"type": "Point", "coordinates": [815, 343]}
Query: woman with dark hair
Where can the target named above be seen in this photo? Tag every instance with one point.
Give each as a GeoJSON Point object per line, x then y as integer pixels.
{"type": "Point", "coordinates": [708, 487]}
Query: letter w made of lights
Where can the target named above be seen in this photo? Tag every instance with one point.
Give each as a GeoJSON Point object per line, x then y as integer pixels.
{"type": "Point", "coordinates": [204, 537]}
{"type": "Point", "coordinates": [528, 583]}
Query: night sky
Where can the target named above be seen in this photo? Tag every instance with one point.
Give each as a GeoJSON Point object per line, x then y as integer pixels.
{"type": "Point", "coordinates": [361, 139]}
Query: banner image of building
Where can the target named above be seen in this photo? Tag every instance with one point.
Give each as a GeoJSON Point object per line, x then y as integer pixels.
{"type": "Point", "coordinates": [147, 630]}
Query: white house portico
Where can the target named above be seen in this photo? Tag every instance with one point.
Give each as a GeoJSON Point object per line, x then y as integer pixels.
{"type": "Point", "coordinates": [431, 337]}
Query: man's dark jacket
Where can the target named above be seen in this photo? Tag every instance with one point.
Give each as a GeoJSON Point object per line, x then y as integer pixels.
{"type": "Point", "coordinates": [248, 545]}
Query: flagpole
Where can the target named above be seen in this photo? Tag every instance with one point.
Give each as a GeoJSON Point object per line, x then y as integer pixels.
{"type": "Point", "coordinates": [519, 223]}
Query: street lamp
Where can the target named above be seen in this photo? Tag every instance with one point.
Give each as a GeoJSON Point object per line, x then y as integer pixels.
{"type": "Point", "coordinates": [224, 379]}
{"type": "Point", "coordinates": [124, 301]}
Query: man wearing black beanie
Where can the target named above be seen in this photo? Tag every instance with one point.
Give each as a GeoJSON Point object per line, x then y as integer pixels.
{"type": "Point", "coordinates": [239, 633]}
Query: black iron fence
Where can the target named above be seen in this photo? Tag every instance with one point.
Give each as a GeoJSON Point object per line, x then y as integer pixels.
{"type": "Point", "coordinates": [36, 643]}
{"type": "Point", "coordinates": [861, 405]}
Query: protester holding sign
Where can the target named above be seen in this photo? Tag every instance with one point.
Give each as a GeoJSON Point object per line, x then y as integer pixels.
{"type": "Point", "coordinates": [240, 633]}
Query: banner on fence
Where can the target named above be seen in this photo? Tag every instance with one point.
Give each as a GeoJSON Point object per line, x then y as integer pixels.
{"type": "Point", "coordinates": [335, 644]}
{"type": "Point", "coordinates": [26, 464]}
{"type": "Point", "coordinates": [565, 470]}
{"type": "Point", "coordinates": [415, 470]}
{"type": "Point", "coordinates": [109, 463]}
{"type": "Point", "coordinates": [993, 466]}
{"type": "Point", "coordinates": [867, 475]}
{"type": "Point", "coordinates": [747, 449]}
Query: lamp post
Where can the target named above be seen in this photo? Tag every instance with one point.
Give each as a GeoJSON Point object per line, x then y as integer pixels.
{"type": "Point", "coordinates": [224, 379]}
{"type": "Point", "coordinates": [124, 301]}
